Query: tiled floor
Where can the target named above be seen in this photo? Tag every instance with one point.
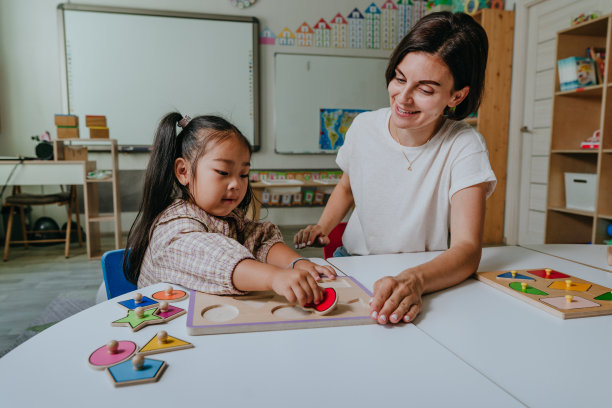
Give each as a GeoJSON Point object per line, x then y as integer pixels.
{"type": "Point", "coordinates": [31, 279]}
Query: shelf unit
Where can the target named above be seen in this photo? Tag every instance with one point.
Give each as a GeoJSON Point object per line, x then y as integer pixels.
{"type": "Point", "coordinates": [576, 115]}
{"type": "Point", "coordinates": [93, 217]}
{"type": "Point", "coordinates": [493, 117]}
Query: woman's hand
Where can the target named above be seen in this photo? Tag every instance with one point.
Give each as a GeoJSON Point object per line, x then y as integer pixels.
{"type": "Point", "coordinates": [297, 285]}
{"type": "Point", "coordinates": [315, 270]}
{"type": "Point", "coordinates": [396, 298]}
{"type": "Point", "coordinates": [312, 235]}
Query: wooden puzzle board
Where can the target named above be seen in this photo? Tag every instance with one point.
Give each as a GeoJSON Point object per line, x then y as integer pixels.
{"type": "Point", "coordinates": [589, 299]}
{"type": "Point", "coordinates": [263, 311]}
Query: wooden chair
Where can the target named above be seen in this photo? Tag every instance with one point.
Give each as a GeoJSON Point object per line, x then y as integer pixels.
{"type": "Point", "coordinates": [20, 200]}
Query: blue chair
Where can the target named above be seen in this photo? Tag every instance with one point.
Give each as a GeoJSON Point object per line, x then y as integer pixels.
{"type": "Point", "coordinates": [112, 270]}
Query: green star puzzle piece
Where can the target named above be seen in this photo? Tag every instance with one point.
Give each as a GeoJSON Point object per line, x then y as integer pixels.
{"type": "Point", "coordinates": [137, 323]}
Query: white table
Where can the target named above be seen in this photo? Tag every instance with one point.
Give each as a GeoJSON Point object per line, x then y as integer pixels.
{"type": "Point", "coordinates": [358, 366]}
{"type": "Point", "coordinates": [540, 359]}
{"type": "Point", "coordinates": [591, 255]}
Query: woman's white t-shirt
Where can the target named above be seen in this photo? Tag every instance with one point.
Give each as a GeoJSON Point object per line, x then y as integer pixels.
{"type": "Point", "coordinates": [401, 210]}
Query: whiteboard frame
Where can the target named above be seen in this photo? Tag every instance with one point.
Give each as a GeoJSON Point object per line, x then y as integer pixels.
{"type": "Point", "coordinates": [159, 13]}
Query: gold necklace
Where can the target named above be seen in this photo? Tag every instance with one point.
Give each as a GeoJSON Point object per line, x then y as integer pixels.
{"type": "Point", "coordinates": [411, 162]}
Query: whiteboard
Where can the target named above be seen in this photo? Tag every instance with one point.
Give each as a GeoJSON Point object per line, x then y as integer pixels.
{"type": "Point", "coordinates": [134, 66]}
{"type": "Point", "coordinates": [306, 84]}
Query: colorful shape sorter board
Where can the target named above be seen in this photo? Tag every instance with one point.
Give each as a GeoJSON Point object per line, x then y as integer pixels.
{"type": "Point", "coordinates": [264, 311]}
{"type": "Point", "coordinates": [548, 292]}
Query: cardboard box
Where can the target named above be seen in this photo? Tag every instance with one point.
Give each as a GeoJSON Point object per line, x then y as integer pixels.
{"type": "Point", "coordinates": [67, 132]}
{"type": "Point", "coordinates": [66, 120]}
{"type": "Point", "coordinates": [75, 153]}
{"type": "Point", "coordinates": [580, 191]}
{"type": "Point", "coordinates": [98, 132]}
{"type": "Point", "coordinates": [95, 120]}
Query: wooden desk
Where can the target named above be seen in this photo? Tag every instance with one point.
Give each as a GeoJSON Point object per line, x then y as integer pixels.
{"type": "Point", "coordinates": [541, 360]}
{"type": "Point", "coordinates": [49, 172]}
{"type": "Point", "coordinates": [351, 366]}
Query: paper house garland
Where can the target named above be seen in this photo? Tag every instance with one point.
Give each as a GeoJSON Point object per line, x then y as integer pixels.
{"type": "Point", "coordinates": [267, 37]}
{"type": "Point", "coordinates": [372, 27]}
{"type": "Point", "coordinates": [355, 29]}
{"type": "Point", "coordinates": [339, 31]}
{"type": "Point", "coordinates": [404, 18]}
{"type": "Point", "coordinates": [305, 35]}
{"type": "Point", "coordinates": [285, 37]}
{"type": "Point", "coordinates": [388, 26]}
{"type": "Point", "coordinates": [322, 34]}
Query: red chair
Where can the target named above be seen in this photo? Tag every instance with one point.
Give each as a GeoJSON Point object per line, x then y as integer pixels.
{"type": "Point", "coordinates": [335, 240]}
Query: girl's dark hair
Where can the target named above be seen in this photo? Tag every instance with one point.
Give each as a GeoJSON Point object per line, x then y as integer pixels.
{"type": "Point", "coordinates": [463, 46]}
{"type": "Point", "coordinates": [161, 186]}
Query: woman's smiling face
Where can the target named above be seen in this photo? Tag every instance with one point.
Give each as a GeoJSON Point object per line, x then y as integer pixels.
{"type": "Point", "coordinates": [420, 91]}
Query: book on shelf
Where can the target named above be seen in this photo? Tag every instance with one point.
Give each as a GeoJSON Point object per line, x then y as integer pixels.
{"type": "Point", "coordinates": [598, 55]}
{"type": "Point", "coordinates": [576, 72]}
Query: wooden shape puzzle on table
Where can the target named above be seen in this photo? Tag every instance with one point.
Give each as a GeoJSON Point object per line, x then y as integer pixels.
{"type": "Point", "coordinates": [112, 353]}
{"type": "Point", "coordinates": [172, 312]}
{"type": "Point", "coordinates": [555, 292]}
{"type": "Point", "coordinates": [164, 343]}
{"type": "Point", "coordinates": [263, 311]}
{"type": "Point", "coordinates": [127, 374]}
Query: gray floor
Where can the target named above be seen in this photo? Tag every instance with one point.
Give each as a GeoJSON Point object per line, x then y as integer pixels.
{"type": "Point", "coordinates": [32, 282]}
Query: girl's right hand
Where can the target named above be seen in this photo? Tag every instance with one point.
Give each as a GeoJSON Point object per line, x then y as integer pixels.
{"type": "Point", "coordinates": [297, 285]}
{"type": "Point", "coordinates": [312, 235]}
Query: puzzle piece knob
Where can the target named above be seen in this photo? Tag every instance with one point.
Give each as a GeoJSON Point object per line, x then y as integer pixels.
{"type": "Point", "coordinates": [138, 298]}
{"type": "Point", "coordinates": [138, 362]}
{"type": "Point", "coordinates": [112, 346]}
{"type": "Point", "coordinates": [139, 311]}
{"type": "Point", "coordinates": [162, 337]}
{"type": "Point", "coordinates": [568, 283]}
{"type": "Point", "coordinates": [169, 290]}
{"type": "Point", "coordinates": [513, 274]}
{"type": "Point", "coordinates": [568, 298]}
{"type": "Point", "coordinates": [163, 306]}
{"type": "Point", "coordinates": [547, 271]}
{"type": "Point", "coordinates": [523, 286]}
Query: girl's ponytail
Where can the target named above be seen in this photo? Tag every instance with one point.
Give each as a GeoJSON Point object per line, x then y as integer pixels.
{"type": "Point", "coordinates": [158, 193]}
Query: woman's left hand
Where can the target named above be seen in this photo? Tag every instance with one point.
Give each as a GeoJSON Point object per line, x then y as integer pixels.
{"type": "Point", "coordinates": [315, 270]}
{"type": "Point", "coordinates": [396, 299]}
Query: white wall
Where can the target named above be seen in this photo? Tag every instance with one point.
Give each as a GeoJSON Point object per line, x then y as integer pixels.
{"type": "Point", "coordinates": [30, 73]}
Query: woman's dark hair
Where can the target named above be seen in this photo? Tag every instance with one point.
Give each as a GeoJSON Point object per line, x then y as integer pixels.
{"type": "Point", "coordinates": [161, 187]}
{"type": "Point", "coordinates": [463, 46]}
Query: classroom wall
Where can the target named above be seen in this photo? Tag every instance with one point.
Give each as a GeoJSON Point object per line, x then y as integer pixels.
{"type": "Point", "coordinates": [30, 81]}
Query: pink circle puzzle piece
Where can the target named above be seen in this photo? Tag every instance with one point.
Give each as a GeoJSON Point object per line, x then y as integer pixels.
{"type": "Point", "coordinates": [101, 358]}
{"type": "Point", "coordinates": [330, 299]}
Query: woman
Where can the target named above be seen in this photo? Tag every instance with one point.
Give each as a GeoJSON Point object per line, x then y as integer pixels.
{"type": "Point", "coordinates": [414, 171]}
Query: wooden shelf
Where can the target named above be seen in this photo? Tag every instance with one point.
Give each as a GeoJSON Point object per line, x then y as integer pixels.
{"type": "Point", "coordinates": [66, 148]}
{"type": "Point", "coordinates": [577, 115]}
{"type": "Point", "coordinates": [494, 112]}
{"type": "Point", "coordinates": [573, 211]}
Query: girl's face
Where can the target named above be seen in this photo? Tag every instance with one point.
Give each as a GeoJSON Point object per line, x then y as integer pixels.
{"type": "Point", "coordinates": [221, 178]}
{"type": "Point", "coordinates": [420, 91]}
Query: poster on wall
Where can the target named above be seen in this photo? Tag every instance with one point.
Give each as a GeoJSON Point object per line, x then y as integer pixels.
{"type": "Point", "coordinates": [334, 124]}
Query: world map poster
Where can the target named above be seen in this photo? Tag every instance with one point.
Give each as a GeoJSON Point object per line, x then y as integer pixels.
{"type": "Point", "coordinates": [334, 124]}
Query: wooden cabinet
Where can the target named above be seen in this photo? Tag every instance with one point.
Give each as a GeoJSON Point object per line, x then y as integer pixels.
{"type": "Point", "coordinates": [493, 116]}
{"type": "Point", "coordinates": [577, 114]}
{"type": "Point", "coordinates": [77, 149]}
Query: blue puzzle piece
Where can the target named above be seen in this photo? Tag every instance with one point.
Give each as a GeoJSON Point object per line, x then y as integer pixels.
{"type": "Point", "coordinates": [131, 303]}
{"type": "Point", "coordinates": [508, 275]}
{"type": "Point", "coordinates": [125, 372]}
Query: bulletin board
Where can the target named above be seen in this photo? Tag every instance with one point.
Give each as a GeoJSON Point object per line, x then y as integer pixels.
{"type": "Point", "coordinates": [307, 87]}
{"type": "Point", "coordinates": [134, 66]}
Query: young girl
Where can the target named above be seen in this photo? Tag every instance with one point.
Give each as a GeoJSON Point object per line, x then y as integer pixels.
{"type": "Point", "coordinates": [192, 230]}
{"type": "Point", "coordinates": [414, 171]}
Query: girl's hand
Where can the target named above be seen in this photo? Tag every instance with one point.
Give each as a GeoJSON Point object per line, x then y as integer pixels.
{"type": "Point", "coordinates": [315, 270]}
{"type": "Point", "coordinates": [297, 285]}
{"type": "Point", "coordinates": [396, 299]}
{"type": "Point", "coordinates": [311, 235]}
